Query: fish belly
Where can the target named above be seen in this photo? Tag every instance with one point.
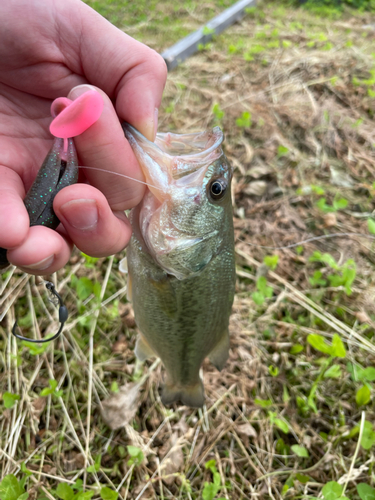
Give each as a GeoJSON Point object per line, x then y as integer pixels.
{"type": "Point", "coordinates": [182, 321]}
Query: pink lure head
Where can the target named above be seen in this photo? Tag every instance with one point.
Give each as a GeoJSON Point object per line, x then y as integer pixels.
{"type": "Point", "coordinates": [72, 118]}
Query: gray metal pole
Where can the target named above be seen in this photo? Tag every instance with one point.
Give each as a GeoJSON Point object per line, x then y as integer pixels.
{"type": "Point", "coordinates": [189, 45]}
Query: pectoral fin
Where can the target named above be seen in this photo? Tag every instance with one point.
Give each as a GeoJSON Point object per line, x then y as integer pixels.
{"type": "Point", "coordinates": [220, 353]}
{"type": "Point", "coordinates": [143, 350]}
{"type": "Point", "coordinates": [192, 395]}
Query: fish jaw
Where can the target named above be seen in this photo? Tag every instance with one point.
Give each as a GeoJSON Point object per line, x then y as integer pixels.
{"type": "Point", "coordinates": [154, 167]}
{"type": "Point", "coordinates": [179, 223]}
{"type": "Point", "coordinates": [172, 156]}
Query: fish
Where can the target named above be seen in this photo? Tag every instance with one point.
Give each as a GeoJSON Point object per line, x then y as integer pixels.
{"type": "Point", "coordinates": [180, 260]}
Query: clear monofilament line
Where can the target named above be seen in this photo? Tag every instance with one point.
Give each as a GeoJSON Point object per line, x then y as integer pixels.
{"type": "Point", "coordinates": [121, 175]}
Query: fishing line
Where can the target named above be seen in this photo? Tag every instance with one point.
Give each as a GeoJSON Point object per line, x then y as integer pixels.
{"type": "Point", "coordinates": [121, 175]}
{"type": "Point", "coordinates": [308, 240]}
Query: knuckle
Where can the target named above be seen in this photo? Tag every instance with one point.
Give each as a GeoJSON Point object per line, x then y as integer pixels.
{"type": "Point", "coordinates": [157, 65]}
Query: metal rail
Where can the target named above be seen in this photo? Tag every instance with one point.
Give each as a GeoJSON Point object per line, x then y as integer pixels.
{"type": "Point", "coordinates": [190, 44]}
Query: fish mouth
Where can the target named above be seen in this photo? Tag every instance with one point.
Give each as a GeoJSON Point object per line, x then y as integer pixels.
{"type": "Point", "coordinates": [178, 154]}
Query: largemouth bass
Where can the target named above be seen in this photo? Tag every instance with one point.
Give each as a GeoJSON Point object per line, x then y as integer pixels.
{"type": "Point", "coordinates": [181, 257]}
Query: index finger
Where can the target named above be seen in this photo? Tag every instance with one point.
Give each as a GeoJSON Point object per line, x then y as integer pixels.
{"type": "Point", "coordinates": [107, 158]}
{"type": "Point", "coordinates": [128, 71]}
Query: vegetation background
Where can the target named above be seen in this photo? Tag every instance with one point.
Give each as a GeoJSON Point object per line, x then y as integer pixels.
{"type": "Point", "coordinates": [292, 415]}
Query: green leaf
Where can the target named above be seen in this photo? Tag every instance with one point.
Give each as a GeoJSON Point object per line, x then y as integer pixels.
{"type": "Point", "coordinates": [317, 190]}
{"type": "Point", "coordinates": [282, 150]}
{"type": "Point", "coordinates": [211, 465]}
{"type": "Point", "coordinates": [108, 494]}
{"type": "Point", "coordinates": [136, 455]}
{"type": "Point", "coordinates": [10, 399]}
{"type": "Point", "coordinates": [217, 111]}
{"type": "Point", "coordinates": [323, 206]}
{"type": "Point", "coordinates": [302, 478]}
{"type": "Point", "coordinates": [326, 258]}
{"type": "Point", "coordinates": [300, 451]}
{"type": "Point", "coordinates": [262, 286]}
{"type": "Point", "coordinates": [264, 403]}
{"type": "Point", "coordinates": [208, 31]}
{"type": "Point", "coordinates": [244, 120]}
{"type": "Point", "coordinates": [286, 44]}
{"type": "Point", "coordinates": [332, 491]}
{"type": "Point", "coordinates": [97, 289]}
{"type": "Point", "coordinates": [258, 298]}
{"type": "Point", "coordinates": [340, 204]}
{"type": "Point", "coordinates": [284, 489]}
{"type": "Point", "coordinates": [95, 467]}
{"type": "Point", "coordinates": [24, 496]}
{"type": "Point", "coordinates": [46, 391]}
{"type": "Point", "coordinates": [333, 372]}
{"type": "Point", "coordinates": [368, 436]}
{"type": "Point", "coordinates": [51, 389]}
{"type": "Point", "coordinates": [368, 374]}
{"type": "Point", "coordinates": [89, 261]}
{"type": "Point", "coordinates": [282, 425]}
{"type": "Point", "coordinates": [296, 348]}
{"type": "Point", "coordinates": [114, 386]}
{"type": "Point", "coordinates": [273, 371]}
{"type": "Point", "coordinates": [84, 288]}
{"type": "Point", "coordinates": [210, 491]}
{"type": "Point", "coordinates": [35, 349]}
{"type": "Point", "coordinates": [363, 396]}
{"type": "Point", "coordinates": [64, 491]}
{"type": "Point", "coordinates": [134, 451]}
{"type": "Point", "coordinates": [25, 470]}
{"type": "Point", "coordinates": [361, 374]}
{"type": "Point", "coordinates": [371, 226]}
{"type": "Point", "coordinates": [365, 491]}
{"type": "Point", "coordinates": [10, 488]}
{"type": "Point", "coordinates": [319, 343]}
{"type": "Point", "coordinates": [84, 495]}
{"type": "Point", "coordinates": [317, 279]}
{"type": "Point", "coordinates": [53, 383]}
{"type": "Point", "coordinates": [338, 348]}
{"type": "Point", "coordinates": [271, 261]}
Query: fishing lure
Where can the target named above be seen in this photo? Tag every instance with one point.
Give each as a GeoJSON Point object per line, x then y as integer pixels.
{"type": "Point", "coordinates": [59, 170]}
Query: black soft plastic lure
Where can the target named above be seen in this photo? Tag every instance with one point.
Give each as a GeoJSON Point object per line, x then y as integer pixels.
{"type": "Point", "coordinates": [54, 174]}
{"type": "Point", "coordinates": [59, 169]}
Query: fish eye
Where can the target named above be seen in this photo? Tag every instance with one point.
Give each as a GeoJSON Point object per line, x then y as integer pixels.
{"type": "Point", "coordinates": [218, 189]}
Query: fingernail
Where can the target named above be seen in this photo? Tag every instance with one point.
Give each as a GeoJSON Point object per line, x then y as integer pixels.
{"type": "Point", "coordinates": [42, 264]}
{"type": "Point", "coordinates": [79, 90]}
{"type": "Point", "coordinates": [81, 214]}
{"type": "Point", "coordinates": [149, 128]}
{"type": "Point", "coordinates": [156, 114]}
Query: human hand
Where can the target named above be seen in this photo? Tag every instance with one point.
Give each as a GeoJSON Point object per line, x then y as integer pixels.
{"type": "Point", "coordinates": [48, 48]}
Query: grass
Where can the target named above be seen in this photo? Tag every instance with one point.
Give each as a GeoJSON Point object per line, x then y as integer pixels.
{"type": "Point", "coordinates": [291, 416]}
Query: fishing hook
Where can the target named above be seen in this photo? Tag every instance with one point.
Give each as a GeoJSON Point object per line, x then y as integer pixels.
{"type": "Point", "coordinates": [63, 316]}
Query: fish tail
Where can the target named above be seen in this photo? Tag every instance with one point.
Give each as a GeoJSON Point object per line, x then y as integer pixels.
{"type": "Point", "coordinates": [220, 353]}
{"type": "Point", "coordinates": [189, 395]}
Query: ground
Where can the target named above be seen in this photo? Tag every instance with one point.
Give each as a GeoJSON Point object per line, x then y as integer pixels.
{"type": "Point", "coordinates": [291, 415]}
